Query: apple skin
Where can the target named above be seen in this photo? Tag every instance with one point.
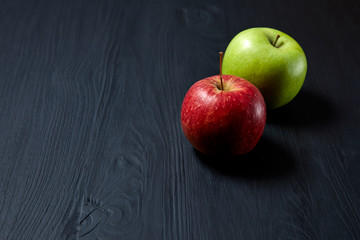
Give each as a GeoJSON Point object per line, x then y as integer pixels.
{"type": "Point", "coordinates": [223, 122]}
{"type": "Point", "coordinates": [277, 71]}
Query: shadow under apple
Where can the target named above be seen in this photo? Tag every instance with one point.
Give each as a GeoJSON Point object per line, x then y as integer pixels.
{"type": "Point", "coordinates": [267, 160]}
{"type": "Point", "coordinates": [307, 108]}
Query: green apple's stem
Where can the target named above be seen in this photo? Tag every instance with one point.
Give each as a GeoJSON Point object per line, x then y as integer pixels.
{"type": "Point", "coordinates": [221, 80]}
{"type": "Point", "coordinates": [276, 39]}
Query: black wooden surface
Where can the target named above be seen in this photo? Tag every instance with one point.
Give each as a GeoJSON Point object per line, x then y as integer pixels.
{"type": "Point", "coordinates": [91, 145]}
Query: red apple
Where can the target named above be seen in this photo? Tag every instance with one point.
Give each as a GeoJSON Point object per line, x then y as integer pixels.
{"type": "Point", "coordinates": [223, 114]}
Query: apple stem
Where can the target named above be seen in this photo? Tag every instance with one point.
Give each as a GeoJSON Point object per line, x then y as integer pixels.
{"type": "Point", "coordinates": [276, 39]}
{"type": "Point", "coordinates": [221, 80]}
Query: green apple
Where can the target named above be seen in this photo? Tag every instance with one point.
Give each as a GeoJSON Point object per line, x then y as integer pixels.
{"type": "Point", "coordinates": [270, 59]}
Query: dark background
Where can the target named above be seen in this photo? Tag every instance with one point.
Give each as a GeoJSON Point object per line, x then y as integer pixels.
{"type": "Point", "coordinates": [91, 145]}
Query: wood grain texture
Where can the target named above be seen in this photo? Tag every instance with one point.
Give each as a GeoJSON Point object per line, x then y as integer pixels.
{"type": "Point", "coordinates": [91, 145]}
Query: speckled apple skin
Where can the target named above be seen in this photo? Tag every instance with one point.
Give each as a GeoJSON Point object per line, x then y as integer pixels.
{"type": "Point", "coordinates": [278, 72]}
{"type": "Point", "coordinates": [228, 122]}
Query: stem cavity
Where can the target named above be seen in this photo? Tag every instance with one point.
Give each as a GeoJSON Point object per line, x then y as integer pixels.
{"type": "Point", "coordinates": [276, 39]}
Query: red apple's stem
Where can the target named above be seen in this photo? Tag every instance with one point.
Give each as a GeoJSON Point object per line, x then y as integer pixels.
{"type": "Point", "coordinates": [221, 58]}
{"type": "Point", "coordinates": [276, 39]}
